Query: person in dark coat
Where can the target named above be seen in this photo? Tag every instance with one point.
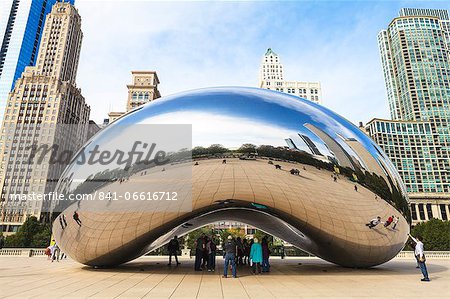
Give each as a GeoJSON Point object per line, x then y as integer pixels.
{"type": "Point", "coordinates": [76, 217]}
{"type": "Point", "coordinates": [199, 249]}
{"type": "Point", "coordinates": [265, 255]}
{"type": "Point", "coordinates": [229, 254]}
{"type": "Point", "coordinates": [250, 243]}
{"type": "Point", "coordinates": [211, 249]}
{"type": "Point", "coordinates": [246, 251]}
{"type": "Point", "coordinates": [240, 252]}
{"type": "Point", "coordinates": [173, 248]}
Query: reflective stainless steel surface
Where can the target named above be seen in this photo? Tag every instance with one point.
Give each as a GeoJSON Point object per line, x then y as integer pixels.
{"type": "Point", "coordinates": [293, 169]}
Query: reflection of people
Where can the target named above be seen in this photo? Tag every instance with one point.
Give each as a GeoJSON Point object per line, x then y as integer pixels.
{"type": "Point", "coordinates": [76, 217]}
{"type": "Point", "coordinates": [173, 248]}
{"type": "Point", "coordinates": [61, 222]}
{"type": "Point", "coordinates": [420, 254]}
{"type": "Point", "coordinates": [395, 222]}
{"type": "Point", "coordinates": [374, 222]}
{"type": "Point", "coordinates": [230, 250]}
{"type": "Point", "coordinates": [389, 221]}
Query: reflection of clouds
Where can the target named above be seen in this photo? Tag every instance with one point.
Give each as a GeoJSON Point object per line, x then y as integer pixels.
{"type": "Point", "coordinates": [230, 131]}
{"type": "Point", "coordinates": [232, 117]}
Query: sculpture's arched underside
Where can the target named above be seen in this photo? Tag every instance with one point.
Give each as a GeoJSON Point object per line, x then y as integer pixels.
{"type": "Point", "coordinates": [310, 209]}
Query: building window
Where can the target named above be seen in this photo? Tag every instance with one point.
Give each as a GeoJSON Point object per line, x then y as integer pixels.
{"type": "Point", "coordinates": [421, 212]}
{"type": "Point", "coordinates": [443, 212]}
{"type": "Point", "coordinates": [429, 211]}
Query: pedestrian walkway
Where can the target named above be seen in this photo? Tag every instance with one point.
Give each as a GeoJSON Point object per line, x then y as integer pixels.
{"type": "Point", "coordinates": [150, 277]}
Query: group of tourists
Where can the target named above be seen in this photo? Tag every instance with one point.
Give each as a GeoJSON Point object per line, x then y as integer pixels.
{"type": "Point", "coordinates": [236, 252]}
{"type": "Point", "coordinates": [54, 253]}
{"type": "Point", "coordinates": [205, 253]}
{"type": "Point", "coordinates": [391, 220]}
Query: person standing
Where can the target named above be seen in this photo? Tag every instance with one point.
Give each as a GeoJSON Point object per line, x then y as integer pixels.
{"type": "Point", "coordinates": [48, 252]}
{"type": "Point", "coordinates": [76, 217]}
{"type": "Point", "coordinates": [265, 254]}
{"type": "Point", "coordinates": [420, 255]}
{"type": "Point", "coordinates": [394, 223]}
{"type": "Point", "coordinates": [61, 222]}
{"type": "Point", "coordinates": [230, 250]}
{"type": "Point", "coordinates": [199, 247]}
{"type": "Point", "coordinates": [256, 256]}
{"type": "Point", "coordinates": [55, 253]}
{"type": "Point", "coordinates": [282, 251]}
{"type": "Point", "coordinates": [211, 248]}
{"type": "Point", "coordinates": [205, 256]}
{"type": "Point", "coordinates": [246, 251]}
{"type": "Point", "coordinates": [240, 251]}
{"type": "Point", "coordinates": [173, 248]}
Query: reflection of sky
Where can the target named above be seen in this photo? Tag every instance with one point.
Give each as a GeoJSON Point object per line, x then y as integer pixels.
{"type": "Point", "coordinates": [227, 130]}
{"type": "Point", "coordinates": [233, 116]}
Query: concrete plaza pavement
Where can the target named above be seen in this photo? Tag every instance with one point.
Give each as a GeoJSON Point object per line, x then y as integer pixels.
{"type": "Point", "coordinates": [150, 277]}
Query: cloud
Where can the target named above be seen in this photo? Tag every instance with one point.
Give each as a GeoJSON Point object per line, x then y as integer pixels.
{"type": "Point", "coordinates": [200, 44]}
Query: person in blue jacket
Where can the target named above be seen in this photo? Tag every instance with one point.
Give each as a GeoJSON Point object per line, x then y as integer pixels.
{"type": "Point", "coordinates": [256, 256]}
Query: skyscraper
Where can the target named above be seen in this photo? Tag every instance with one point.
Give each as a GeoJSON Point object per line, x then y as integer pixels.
{"type": "Point", "coordinates": [271, 76]}
{"type": "Point", "coordinates": [415, 51]}
{"type": "Point", "coordinates": [44, 108]}
{"type": "Point", "coordinates": [21, 23]}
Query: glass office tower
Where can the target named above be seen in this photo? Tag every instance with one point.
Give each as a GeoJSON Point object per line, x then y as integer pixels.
{"type": "Point", "coordinates": [21, 23]}
{"type": "Point", "coordinates": [415, 52]}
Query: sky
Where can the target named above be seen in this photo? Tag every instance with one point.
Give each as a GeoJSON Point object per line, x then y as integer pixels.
{"type": "Point", "coordinates": [221, 43]}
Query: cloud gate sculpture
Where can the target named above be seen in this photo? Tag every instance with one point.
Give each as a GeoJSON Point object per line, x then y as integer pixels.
{"type": "Point", "coordinates": [283, 164]}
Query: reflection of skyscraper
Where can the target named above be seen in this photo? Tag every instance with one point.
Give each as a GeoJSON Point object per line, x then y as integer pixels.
{"type": "Point", "coordinates": [312, 147]}
{"type": "Point", "coordinates": [21, 24]}
{"type": "Point", "coordinates": [44, 108]}
{"type": "Point", "coordinates": [370, 163]}
{"type": "Point", "coordinates": [415, 52]}
{"type": "Point", "coordinates": [272, 77]}
{"type": "Point", "coordinates": [344, 159]}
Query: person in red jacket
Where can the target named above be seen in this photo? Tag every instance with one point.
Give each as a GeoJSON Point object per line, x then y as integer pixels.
{"type": "Point", "coordinates": [389, 221]}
